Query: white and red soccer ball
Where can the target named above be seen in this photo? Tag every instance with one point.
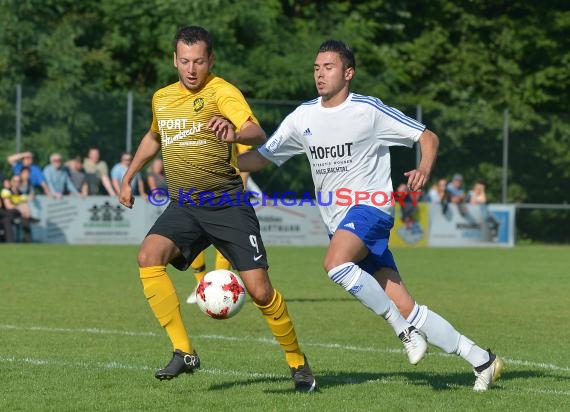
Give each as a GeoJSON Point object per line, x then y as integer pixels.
{"type": "Point", "coordinates": [220, 294]}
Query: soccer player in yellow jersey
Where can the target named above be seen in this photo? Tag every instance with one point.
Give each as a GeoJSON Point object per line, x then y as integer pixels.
{"type": "Point", "coordinates": [195, 123]}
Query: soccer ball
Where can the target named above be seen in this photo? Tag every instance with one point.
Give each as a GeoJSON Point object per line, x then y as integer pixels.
{"type": "Point", "coordinates": [220, 294]}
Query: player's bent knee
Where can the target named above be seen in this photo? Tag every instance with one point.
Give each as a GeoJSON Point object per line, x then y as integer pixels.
{"type": "Point", "coordinates": [156, 250]}
{"type": "Point", "coordinates": [258, 286]}
{"type": "Point", "coordinates": [261, 297]}
{"type": "Point", "coordinates": [147, 257]}
{"type": "Point", "coordinates": [332, 262]}
{"type": "Point", "coordinates": [261, 293]}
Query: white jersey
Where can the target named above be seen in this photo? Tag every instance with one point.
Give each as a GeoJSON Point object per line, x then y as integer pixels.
{"type": "Point", "coordinates": [348, 150]}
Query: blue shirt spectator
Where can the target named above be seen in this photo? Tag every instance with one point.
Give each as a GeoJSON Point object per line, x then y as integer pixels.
{"type": "Point", "coordinates": [118, 172]}
{"type": "Point", "coordinates": [57, 178]}
{"type": "Point", "coordinates": [26, 159]}
{"type": "Point", "coordinates": [456, 190]}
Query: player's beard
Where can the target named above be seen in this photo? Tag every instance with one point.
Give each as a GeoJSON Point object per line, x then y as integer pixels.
{"type": "Point", "coordinates": [193, 87]}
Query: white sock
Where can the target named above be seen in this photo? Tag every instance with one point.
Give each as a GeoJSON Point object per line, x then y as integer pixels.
{"type": "Point", "coordinates": [368, 291]}
{"type": "Point", "coordinates": [442, 334]}
{"type": "Point", "coordinates": [472, 353]}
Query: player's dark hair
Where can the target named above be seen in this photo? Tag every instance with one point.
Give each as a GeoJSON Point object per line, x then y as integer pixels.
{"type": "Point", "coordinates": [336, 46]}
{"type": "Point", "coordinates": [192, 35]}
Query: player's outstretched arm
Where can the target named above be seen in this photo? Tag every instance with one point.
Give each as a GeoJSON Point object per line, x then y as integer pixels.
{"type": "Point", "coordinates": [251, 161]}
{"type": "Point", "coordinates": [250, 133]}
{"type": "Point", "coordinates": [148, 148]}
{"type": "Point", "coordinates": [419, 177]}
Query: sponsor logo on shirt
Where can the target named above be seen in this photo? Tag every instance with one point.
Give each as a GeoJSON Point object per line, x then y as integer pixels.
{"type": "Point", "coordinates": [166, 125]}
{"type": "Point", "coordinates": [327, 152]}
{"type": "Point", "coordinates": [273, 144]}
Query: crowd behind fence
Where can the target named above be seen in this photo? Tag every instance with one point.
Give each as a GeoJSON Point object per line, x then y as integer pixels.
{"type": "Point", "coordinates": [114, 123]}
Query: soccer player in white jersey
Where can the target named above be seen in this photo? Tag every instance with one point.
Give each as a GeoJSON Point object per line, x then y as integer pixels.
{"type": "Point", "coordinates": [346, 138]}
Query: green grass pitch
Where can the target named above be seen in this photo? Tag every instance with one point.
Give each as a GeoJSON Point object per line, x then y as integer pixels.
{"type": "Point", "coordinates": [76, 334]}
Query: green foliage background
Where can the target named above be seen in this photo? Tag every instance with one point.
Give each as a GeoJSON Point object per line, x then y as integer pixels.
{"type": "Point", "coordinates": [463, 62]}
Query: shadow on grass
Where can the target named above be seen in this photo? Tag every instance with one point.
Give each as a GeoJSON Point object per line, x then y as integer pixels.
{"type": "Point", "coordinates": [437, 381]}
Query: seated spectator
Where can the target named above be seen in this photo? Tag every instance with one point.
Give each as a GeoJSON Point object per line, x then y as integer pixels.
{"type": "Point", "coordinates": [16, 205]}
{"type": "Point", "coordinates": [155, 177]}
{"type": "Point", "coordinates": [477, 195]}
{"type": "Point", "coordinates": [77, 175]}
{"type": "Point", "coordinates": [412, 230]}
{"type": "Point", "coordinates": [409, 209]}
{"type": "Point", "coordinates": [26, 187]}
{"type": "Point", "coordinates": [57, 178]}
{"type": "Point", "coordinates": [97, 173]}
{"type": "Point", "coordinates": [6, 218]}
{"type": "Point", "coordinates": [119, 170]}
{"type": "Point", "coordinates": [438, 192]}
{"type": "Point", "coordinates": [456, 190]}
{"type": "Point", "coordinates": [26, 159]}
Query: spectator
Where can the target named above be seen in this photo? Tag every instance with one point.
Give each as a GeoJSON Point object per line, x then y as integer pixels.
{"type": "Point", "coordinates": [408, 209]}
{"type": "Point", "coordinates": [411, 231]}
{"type": "Point", "coordinates": [155, 177]}
{"type": "Point", "coordinates": [477, 195]}
{"type": "Point", "coordinates": [456, 190]}
{"type": "Point", "coordinates": [77, 175]}
{"type": "Point", "coordinates": [25, 184]}
{"type": "Point", "coordinates": [97, 173]}
{"type": "Point", "coordinates": [57, 177]}
{"type": "Point", "coordinates": [26, 159]}
{"type": "Point", "coordinates": [6, 218]}
{"type": "Point", "coordinates": [119, 170]}
{"type": "Point", "coordinates": [438, 192]}
{"type": "Point", "coordinates": [16, 205]}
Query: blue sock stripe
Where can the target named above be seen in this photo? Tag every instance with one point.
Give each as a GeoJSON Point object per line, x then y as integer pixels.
{"type": "Point", "coordinates": [415, 314]}
{"type": "Point", "coordinates": [339, 276]}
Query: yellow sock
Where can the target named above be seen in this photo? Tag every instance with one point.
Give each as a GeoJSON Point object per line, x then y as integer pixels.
{"type": "Point", "coordinates": [199, 266]}
{"type": "Point", "coordinates": [163, 301]}
{"type": "Point", "coordinates": [281, 325]}
{"type": "Point", "coordinates": [222, 262]}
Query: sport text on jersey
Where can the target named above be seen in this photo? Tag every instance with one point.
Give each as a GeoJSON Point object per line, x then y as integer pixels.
{"type": "Point", "coordinates": [172, 130]}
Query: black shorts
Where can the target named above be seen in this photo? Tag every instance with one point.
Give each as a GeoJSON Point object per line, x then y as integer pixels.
{"type": "Point", "coordinates": [233, 230]}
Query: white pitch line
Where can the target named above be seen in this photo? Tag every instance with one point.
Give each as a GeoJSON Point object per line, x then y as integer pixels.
{"type": "Point", "coordinates": [550, 366]}
{"type": "Point", "coordinates": [518, 362]}
{"type": "Point", "coordinates": [241, 374]}
{"type": "Point", "coordinates": [80, 330]}
{"type": "Point", "coordinates": [117, 365]}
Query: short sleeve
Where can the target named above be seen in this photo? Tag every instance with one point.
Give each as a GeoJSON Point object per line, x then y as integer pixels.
{"type": "Point", "coordinates": [394, 128]}
{"type": "Point", "coordinates": [233, 106]}
{"type": "Point", "coordinates": [285, 143]}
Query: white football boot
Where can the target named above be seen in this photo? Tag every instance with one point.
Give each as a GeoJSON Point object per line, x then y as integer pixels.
{"type": "Point", "coordinates": [192, 298]}
{"type": "Point", "coordinates": [488, 373]}
{"type": "Point", "coordinates": [414, 343]}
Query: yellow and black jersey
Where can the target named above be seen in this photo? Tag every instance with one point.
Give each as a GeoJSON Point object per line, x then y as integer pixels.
{"type": "Point", "coordinates": [195, 160]}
